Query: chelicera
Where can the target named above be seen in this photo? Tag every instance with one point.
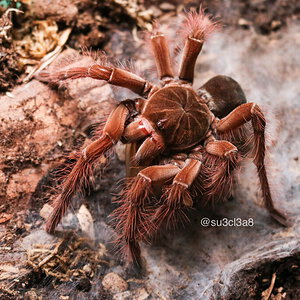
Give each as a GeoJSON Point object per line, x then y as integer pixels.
{"type": "Point", "coordinates": [188, 142]}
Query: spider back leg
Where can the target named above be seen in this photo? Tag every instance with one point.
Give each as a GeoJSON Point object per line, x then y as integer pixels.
{"type": "Point", "coordinates": [237, 118]}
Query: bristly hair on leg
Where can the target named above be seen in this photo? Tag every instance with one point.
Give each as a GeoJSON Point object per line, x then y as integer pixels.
{"type": "Point", "coordinates": [155, 31]}
{"type": "Point", "coordinates": [147, 34]}
{"type": "Point", "coordinates": [97, 56]}
{"type": "Point", "coordinates": [198, 25]}
{"type": "Point", "coordinates": [76, 66]}
{"type": "Point", "coordinates": [216, 178]}
{"type": "Point", "coordinates": [241, 137]}
{"type": "Point", "coordinates": [176, 199]}
{"type": "Point", "coordinates": [77, 177]}
{"type": "Point", "coordinates": [195, 26]}
{"type": "Point", "coordinates": [76, 181]}
{"type": "Point", "coordinates": [259, 124]}
{"type": "Point", "coordinates": [132, 217]}
{"type": "Point", "coordinates": [101, 58]}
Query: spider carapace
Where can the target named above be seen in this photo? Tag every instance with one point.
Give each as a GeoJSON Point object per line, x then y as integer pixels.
{"type": "Point", "coordinates": [189, 141]}
{"type": "Point", "coordinates": [179, 115]}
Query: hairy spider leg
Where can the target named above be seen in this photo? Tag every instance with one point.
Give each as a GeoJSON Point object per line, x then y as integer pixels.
{"type": "Point", "coordinates": [161, 54]}
{"type": "Point", "coordinates": [176, 197]}
{"type": "Point", "coordinates": [149, 150]}
{"type": "Point", "coordinates": [196, 27]}
{"type": "Point", "coordinates": [190, 54]}
{"type": "Point", "coordinates": [112, 75]}
{"type": "Point", "coordinates": [220, 158]}
{"type": "Point", "coordinates": [131, 168]}
{"type": "Point", "coordinates": [133, 222]}
{"type": "Point", "coordinates": [237, 118]}
{"type": "Point", "coordinates": [79, 176]}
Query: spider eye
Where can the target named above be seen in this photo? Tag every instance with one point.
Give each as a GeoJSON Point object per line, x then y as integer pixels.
{"type": "Point", "coordinates": [161, 124]}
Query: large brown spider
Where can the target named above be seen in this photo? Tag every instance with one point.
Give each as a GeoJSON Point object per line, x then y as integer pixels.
{"type": "Point", "coordinates": [186, 141]}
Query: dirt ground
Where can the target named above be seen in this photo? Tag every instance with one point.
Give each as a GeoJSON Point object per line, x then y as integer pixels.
{"type": "Point", "coordinates": [42, 123]}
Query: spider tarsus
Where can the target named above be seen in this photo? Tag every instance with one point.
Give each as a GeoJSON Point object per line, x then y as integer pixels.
{"type": "Point", "coordinates": [198, 25]}
{"type": "Point", "coordinates": [280, 217]}
{"type": "Point", "coordinates": [132, 216]}
{"type": "Point", "coordinates": [259, 124]}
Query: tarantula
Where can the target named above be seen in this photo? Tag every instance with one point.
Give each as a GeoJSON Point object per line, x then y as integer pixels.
{"type": "Point", "coordinates": [186, 141]}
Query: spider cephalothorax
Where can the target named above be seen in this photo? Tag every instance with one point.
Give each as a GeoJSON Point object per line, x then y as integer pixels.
{"type": "Point", "coordinates": [189, 141]}
{"type": "Point", "coordinates": [179, 115]}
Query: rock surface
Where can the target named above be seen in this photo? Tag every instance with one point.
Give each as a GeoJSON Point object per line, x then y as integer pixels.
{"type": "Point", "coordinates": [40, 125]}
{"type": "Point", "coordinates": [114, 283]}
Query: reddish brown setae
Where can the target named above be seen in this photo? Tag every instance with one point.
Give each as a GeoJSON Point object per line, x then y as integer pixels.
{"type": "Point", "coordinates": [187, 142]}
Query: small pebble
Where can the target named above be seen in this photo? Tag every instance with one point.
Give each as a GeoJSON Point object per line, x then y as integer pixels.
{"type": "Point", "coordinates": [87, 268]}
{"type": "Point", "coordinates": [276, 24]}
{"type": "Point", "coordinates": [27, 226]}
{"type": "Point", "coordinates": [120, 150]}
{"type": "Point", "coordinates": [31, 295]}
{"type": "Point", "coordinates": [167, 6]}
{"type": "Point", "coordinates": [114, 283]}
{"type": "Point", "coordinates": [244, 23]}
{"type": "Point", "coordinates": [46, 211]}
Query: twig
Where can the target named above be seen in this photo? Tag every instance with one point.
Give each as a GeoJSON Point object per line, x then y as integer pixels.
{"type": "Point", "coordinates": [267, 293]}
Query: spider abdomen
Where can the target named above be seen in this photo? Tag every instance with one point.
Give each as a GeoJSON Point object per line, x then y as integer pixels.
{"type": "Point", "coordinates": [178, 115]}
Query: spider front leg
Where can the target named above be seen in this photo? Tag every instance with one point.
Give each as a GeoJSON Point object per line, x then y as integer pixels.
{"type": "Point", "coordinates": [196, 28]}
{"type": "Point", "coordinates": [162, 55]}
{"type": "Point", "coordinates": [133, 223]}
{"type": "Point", "coordinates": [110, 74]}
{"type": "Point", "coordinates": [191, 51]}
{"type": "Point", "coordinates": [78, 178]}
{"type": "Point", "coordinates": [176, 197]}
{"type": "Point", "coordinates": [238, 117]}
